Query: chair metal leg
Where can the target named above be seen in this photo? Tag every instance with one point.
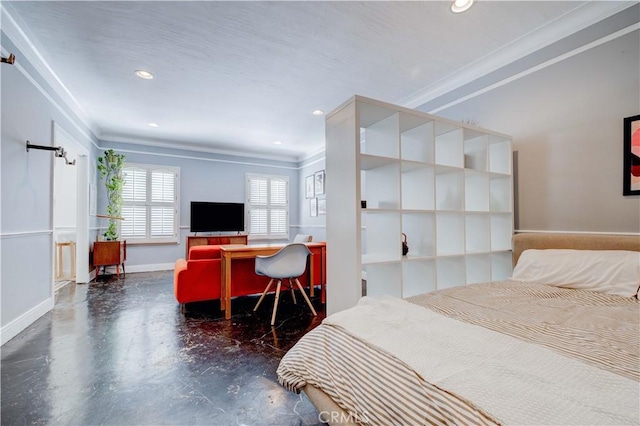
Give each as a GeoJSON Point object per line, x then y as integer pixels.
{"type": "Point", "coordinates": [293, 293]}
{"type": "Point", "coordinates": [305, 298]}
{"type": "Point", "coordinates": [275, 304]}
{"type": "Point", "coordinates": [263, 294]}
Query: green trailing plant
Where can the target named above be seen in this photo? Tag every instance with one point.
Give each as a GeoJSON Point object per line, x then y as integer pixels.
{"type": "Point", "coordinates": [110, 168]}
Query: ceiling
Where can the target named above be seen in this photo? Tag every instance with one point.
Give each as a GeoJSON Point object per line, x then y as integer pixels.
{"type": "Point", "coordinates": [234, 77]}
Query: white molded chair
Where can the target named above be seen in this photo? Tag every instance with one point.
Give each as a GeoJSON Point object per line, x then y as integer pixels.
{"type": "Point", "coordinates": [302, 238]}
{"type": "Point", "coordinates": [288, 263]}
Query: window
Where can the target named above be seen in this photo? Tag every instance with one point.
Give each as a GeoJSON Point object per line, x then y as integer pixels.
{"type": "Point", "coordinates": [268, 206]}
{"type": "Point", "coordinates": [150, 204]}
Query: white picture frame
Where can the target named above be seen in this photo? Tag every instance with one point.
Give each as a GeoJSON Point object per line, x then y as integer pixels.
{"type": "Point", "coordinates": [319, 182]}
{"type": "Point", "coordinates": [309, 186]}
{"type": "Point", "coordinates": [322, 206]}
{"type": "Point", "coordinates": [313, 207]}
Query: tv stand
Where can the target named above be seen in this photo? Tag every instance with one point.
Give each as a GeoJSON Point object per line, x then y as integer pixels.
{"type": "Point", "coordinates": [210, 240]}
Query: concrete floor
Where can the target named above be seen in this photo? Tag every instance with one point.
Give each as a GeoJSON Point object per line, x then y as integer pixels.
{"type": "Point", "coordinates": [120, 352]}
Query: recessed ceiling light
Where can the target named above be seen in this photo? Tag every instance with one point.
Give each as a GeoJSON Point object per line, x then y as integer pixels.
{"type": "Point", "coordinates": [459, 6]}
{"type": "Point", "coordinates": [144, 74]}
{"type": "Point", "coordinates": [278, 143]}
{"type": "Point", "coordinates": [153, 124]}
{"type": "Point", "coordinates": [318, 112]}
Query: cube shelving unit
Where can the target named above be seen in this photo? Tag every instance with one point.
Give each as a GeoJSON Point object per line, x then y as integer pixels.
{"type": "Point", "coordinates": [447, 185]}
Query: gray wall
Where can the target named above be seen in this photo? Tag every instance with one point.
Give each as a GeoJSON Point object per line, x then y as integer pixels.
{"type": "Point", "coordinates": [566, 123]}
{"type": "Point", "coordinates": [203, 177]}
{"type": "Point", "coordinates": [26, 210]}
{"type": "Point", "coordinates": [314, 226]}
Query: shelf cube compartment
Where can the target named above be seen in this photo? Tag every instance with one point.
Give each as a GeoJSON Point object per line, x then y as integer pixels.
{"type": "Point", "coordinates": [477, 233]}
{"type": "Point", "coordinates": [449, 189]}
{"type": "Point", "coordinates": [500, 194]}
{"type": "Point", "coordinates": [448, 146]}
{"type": "Point", "coordinates": [418, 277]}
{"type": "Point", "coordinates": [478, 268]}
{"type": "Point", "coordinates": [499, 155]}
{"type": "Point", "coordinates": [416, 144]}
{"type": "Point", "coordinates": [476, 147]}
{"type": "Point", "coordinates": [382, 137]}
{"type": "Point", "coordinates": [450, 272]}
{"type": "Point", "coordinates": [449, 233]}
{"type": "Point", "coordinates": [501, 231]}
{"type": "Point", "coordinates": [381, 236]}
{"type": "Point", "coordinates": [501, 266]}
{"type": "Point", "coordinates": [417, 186]}
{"type": "Point", "coordinates": [476, 191]}
{"type": "Point", "coordinates": [383, 279]}
{"type": "Point", "coordinates": [380, 185]}
{"type": "Point", "coordinates": [420, 231]}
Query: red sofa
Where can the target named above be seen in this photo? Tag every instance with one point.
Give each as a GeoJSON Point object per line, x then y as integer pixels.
{"type": "Point", "coordinates": [198, 278]}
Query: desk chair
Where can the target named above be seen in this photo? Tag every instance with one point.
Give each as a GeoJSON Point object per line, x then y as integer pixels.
{"type": "Point", "coordinates": [302, 238]}
{"type": "Point", "coordinates": [288, 263]}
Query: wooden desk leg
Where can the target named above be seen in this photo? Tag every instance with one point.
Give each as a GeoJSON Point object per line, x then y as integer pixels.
{"type": "Point", "coordinates": [323, 276]}
{"type": "Point", "coordinates": [227, 286]}
{"type": "Point", "coordinates": [223, 275]}
{"type": "Point", "coordinates": [311, 283]}
{"type": "Point", "coordinates": [311, 286]}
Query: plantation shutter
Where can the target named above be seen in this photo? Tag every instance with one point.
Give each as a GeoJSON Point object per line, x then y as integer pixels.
{"type": "Point", "coordinates": [134, 197]}
{"type": "Point", "coordinates": [150, 204]}
{"type": "Point", "coordinates": [279, 225]}
{"type": "Point", "coordinates": [163, 212]}
{"type": "Point", "coordinates": [268, 206]}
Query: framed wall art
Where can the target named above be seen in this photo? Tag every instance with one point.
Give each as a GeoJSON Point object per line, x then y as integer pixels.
{"type": "Point", "coordinates": [322, 206]}
{"type": "Point", "coordinates": [309, 187]}
{"type": "Point", "coordinates": [313, 207]}
{"type": "Point", "coordinates": [319, 180]}
{"type": "Point", "coordinates": [631, 163]}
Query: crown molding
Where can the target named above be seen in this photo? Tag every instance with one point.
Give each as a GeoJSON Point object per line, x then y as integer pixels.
{"type": "Point", "coordinates": [22, 41]}
{"type": "Point", "coordinates": [186, 146]}
{"type": "Point", "coordinates": [538, 67]}
{"type": "Point", "coordinates": [563, 26]}
{"type": "Point", "coordinates": [573, 21]}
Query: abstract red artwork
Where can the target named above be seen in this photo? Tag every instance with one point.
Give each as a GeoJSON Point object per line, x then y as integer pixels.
{"type": "Point", "coordinates": [631, 156]}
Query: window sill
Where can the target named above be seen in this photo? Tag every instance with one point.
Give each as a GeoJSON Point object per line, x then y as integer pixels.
{"type": "Point", "coordinates": [132, 242]}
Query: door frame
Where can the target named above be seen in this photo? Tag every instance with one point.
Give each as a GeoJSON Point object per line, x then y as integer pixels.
{"type": "Point", "coordinates": [60, 137]}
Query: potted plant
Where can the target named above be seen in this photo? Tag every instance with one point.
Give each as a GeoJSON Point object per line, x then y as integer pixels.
{"type": "Point", "coordinates": [111, 251]}
{"type": "Point", "coordinates": [110, 168]}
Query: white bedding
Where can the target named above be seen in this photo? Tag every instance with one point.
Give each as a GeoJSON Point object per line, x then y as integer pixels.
{"type": "Point", "coordinates": [531, 384]}
{"type": "Point", "coordinates": [605, 271]}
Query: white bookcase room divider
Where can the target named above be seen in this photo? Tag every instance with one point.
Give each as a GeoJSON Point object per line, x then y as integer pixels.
{"type": "Point", "coordinates": [446, 185]}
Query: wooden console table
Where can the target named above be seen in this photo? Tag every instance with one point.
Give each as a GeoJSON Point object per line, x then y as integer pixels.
{"type": "Point", "coordinates": [210, 240]}
{"type": "Point", "coordinates": [229, 252]}
{"type": "Point", "coordinates": [109, 253]}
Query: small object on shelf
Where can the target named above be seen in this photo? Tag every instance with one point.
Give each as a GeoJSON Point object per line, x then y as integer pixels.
{"type": "Point", "coordinates": [363, 204]}
{"type": "Point", "coordinates": [405, 246]}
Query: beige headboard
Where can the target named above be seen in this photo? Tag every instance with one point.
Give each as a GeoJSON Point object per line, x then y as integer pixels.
{"type": "Point", "coordinates": [522, 242]}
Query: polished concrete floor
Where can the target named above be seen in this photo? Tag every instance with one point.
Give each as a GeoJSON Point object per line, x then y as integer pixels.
{"type": "Point", "coordinates": [120, 352]}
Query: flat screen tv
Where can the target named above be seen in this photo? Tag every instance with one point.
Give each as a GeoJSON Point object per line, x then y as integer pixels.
{"type": "Point", "coordinates": [216, 217]}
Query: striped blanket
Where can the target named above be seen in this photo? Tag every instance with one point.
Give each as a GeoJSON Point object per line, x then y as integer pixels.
{"type": "Point", "coordinates": [513, 353]}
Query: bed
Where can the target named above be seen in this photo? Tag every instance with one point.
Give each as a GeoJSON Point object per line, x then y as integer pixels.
{"type": "Point", "coordinates": [557, 344]}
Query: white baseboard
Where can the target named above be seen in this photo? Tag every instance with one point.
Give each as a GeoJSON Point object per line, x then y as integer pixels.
{"type": "Point", "coordinates": [150, 268]}
{"type": "Point", "coordinates": [535, 231]}
{"type": "Point", "coordinates": [12, 329]}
